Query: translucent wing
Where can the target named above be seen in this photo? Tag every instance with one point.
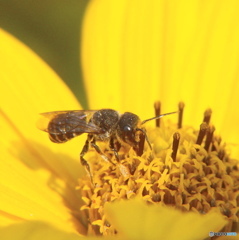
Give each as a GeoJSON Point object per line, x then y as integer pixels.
{"type": "Point", "coordinates": [66, 122]}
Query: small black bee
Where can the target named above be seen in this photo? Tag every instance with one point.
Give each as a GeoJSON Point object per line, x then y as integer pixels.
{"type": "Point", "coordinates": [101, 125]}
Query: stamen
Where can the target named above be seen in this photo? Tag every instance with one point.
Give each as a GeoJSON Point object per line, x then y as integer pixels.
{"type": "Point", "coordinates": [157, 110]}
{"type": "Point", "coordinates": [209, 137]}
{"type": "Point", "coordinates": [180, 115]}
{"type": "Point", "coordinates": [202, 133]}
{"type": "Point", "coordinates": [176, 138]}
{"type": "Point", "coordinates": [140, 147]}
{"type": "Point", "coordinates": [207, 115]}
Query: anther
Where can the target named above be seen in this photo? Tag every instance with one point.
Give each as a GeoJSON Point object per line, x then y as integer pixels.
{"type": "Point", "coordinates": [176, 138]}
{"type": "Point", "coordinates": [202, 133]}
{"type": "Point", "coordinates": [157, 110]}
{"type": "Point", "coordinates": [180, 114]}
{"type": "Point", "coordinates": [207, 115]}
{"type": "Point", "coordinates": [209, 137]}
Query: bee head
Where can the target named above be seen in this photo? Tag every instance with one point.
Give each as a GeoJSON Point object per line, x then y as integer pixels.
{"type": "Point", "coordinates": [130, 127]}
{"type": "Point", "coordinates": [127, 130]}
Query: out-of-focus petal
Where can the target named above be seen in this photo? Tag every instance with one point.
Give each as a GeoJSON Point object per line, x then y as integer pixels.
{"type": "Point", "coordinates": [158, 222]}
{"type": "Point", "coordinates": [38, 178]}
{"type": "Point", "coordinates": [168, 51]}
{"type": "Point", "coordinates": [36, 231]}
{"type": "Point", "coordinates": [28, 87]}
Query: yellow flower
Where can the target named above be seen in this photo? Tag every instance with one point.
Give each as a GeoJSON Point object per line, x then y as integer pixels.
{"type": "Point", "coordinates": [132, 52]}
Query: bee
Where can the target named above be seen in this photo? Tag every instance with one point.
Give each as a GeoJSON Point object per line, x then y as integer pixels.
{"type": "Point", "coordinates": [105, 125]}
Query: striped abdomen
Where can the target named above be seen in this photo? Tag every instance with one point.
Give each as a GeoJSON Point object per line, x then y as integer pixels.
{"type": "Point", "coordinates": [62, 129]}
{"type": "Point", "coordinates": [61, 138]}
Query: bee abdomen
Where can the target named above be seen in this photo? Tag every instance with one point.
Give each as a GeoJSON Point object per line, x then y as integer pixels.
{"type": "Point", "coordinates": [61, 138]}
{"type": "Point", "coordinates": [62, 129]}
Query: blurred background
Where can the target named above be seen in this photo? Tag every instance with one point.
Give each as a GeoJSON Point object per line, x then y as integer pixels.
{"type": "Point", "coordinates": [52, 30]}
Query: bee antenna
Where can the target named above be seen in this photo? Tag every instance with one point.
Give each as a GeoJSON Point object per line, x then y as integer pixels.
{"type": "Point", "coordinates": [162, 115]}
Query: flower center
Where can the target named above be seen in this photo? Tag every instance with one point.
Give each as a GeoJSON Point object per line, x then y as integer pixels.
{"type": "Point", "coordinates": [188, 169]}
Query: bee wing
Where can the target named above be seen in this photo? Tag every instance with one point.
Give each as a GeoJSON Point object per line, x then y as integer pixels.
{"type": "Point", "coordinates": [62, 122]}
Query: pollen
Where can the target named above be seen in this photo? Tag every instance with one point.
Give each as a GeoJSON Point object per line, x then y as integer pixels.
{"type": "Point", "coordinates": [189, 169]}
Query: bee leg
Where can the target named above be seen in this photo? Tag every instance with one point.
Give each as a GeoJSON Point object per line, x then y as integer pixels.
{"type": "Point", "coordinates": [98, 150]}
{"type": "Point", "coordinates": [82, 154]}
{"type": "Point", "coordinates": [115, 146]}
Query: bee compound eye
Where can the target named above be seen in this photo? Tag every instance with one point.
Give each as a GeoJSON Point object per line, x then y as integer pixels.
{"type": "Point", "coordinates": [127, 128]}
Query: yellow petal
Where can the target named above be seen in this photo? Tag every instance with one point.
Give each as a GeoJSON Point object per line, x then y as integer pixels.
{"type": "Point", "coordinates": [140, 51]}
{"type": "Point", "coordinates": [28, 87]}
{"type": "Point", "coordinates": [38, 178]}
{"type": "Point", "coordinates": [136, 220]}
{"type": "Point", "coordinates": [105, 90]}
{"type": "Point", "coordinates": [30, 195]}
{"type": "Point", "coordinates": [36, 231]}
